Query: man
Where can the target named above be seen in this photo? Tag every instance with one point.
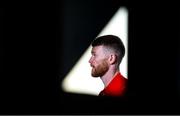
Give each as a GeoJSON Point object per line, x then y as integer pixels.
{"type": "Point", "coordinates": [107, 53]}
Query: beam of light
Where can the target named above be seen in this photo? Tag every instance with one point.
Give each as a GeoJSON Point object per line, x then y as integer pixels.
{"type": "Point", "coordinates": [79, 79]}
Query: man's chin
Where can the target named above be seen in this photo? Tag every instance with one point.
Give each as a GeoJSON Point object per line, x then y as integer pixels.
{"type": "Point", "coordinates": [95, 76]}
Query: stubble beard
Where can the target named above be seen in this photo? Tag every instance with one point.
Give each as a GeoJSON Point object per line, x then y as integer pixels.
{"type": "Point", "coordinates": [100, 70]}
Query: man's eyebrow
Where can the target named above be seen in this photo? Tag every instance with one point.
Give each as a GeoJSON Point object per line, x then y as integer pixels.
{"type": "Point", "coordinates": [92, 52]}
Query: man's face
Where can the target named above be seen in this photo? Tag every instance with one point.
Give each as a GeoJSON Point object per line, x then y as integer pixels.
{"type": "Point", "coordinates": [98, 62]}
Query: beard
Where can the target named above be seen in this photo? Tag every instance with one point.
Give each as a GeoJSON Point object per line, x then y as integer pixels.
{"type": "Point", "coordinates": [100, 70]}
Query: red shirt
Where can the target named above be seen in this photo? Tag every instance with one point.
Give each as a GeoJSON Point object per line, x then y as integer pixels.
{"type": "Point", "coordinates": [116, 87]}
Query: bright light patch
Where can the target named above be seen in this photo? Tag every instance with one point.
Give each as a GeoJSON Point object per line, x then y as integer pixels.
{"type": "Point", "coordinates": [79, 79]}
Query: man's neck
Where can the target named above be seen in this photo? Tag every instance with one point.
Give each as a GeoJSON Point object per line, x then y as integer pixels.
{"type": "Point", "coordinates": [108, 77]}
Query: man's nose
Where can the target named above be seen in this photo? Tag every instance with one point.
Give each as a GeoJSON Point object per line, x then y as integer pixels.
{"type": "Point", "coordinates": [90, 60]}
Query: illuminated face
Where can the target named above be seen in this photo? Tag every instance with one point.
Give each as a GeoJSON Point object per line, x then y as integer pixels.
{"type": "Point", "coordinates": [98, 62]}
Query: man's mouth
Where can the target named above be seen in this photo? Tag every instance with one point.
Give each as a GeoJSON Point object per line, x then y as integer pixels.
{"type": "Point", "coordinates": [92, 66]}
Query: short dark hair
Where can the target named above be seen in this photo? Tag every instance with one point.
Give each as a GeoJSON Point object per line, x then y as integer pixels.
{"type": "Point", "coordinates": [112, 42]}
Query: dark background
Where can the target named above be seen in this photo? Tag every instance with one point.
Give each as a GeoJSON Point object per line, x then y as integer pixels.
{"type": "Point", "coordinates": [42, 40]}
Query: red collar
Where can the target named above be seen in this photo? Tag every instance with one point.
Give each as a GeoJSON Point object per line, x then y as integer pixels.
{"type": "Point", "coordinates": [116, 87]}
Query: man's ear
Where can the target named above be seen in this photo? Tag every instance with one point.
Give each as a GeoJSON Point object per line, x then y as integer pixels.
{"type": "Point", "coordinates": [112, 59]}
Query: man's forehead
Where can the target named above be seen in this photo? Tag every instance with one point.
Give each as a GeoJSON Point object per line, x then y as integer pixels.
{"type": "Point", "coordinates": [97, 48]}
